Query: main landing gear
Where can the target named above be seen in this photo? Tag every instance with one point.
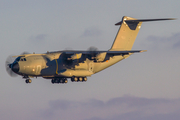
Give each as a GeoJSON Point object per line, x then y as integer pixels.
{"type": "Point", "coordinates": [64, 80]}
{"type": "Point", "coordinates": [59, 80]}
{"type": "Point", "coordinates": [79, 79]}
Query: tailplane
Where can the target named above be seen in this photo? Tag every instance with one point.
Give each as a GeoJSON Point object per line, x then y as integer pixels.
{"type": "Point", "coordinates": [128, 31]}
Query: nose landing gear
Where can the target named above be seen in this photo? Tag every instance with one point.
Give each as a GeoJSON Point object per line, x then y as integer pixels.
{"type": "Point", "coordinates": [28, 80]}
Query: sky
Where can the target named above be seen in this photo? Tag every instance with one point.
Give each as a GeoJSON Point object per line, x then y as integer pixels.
{"type": "Point", "coordinates": [143, 86]}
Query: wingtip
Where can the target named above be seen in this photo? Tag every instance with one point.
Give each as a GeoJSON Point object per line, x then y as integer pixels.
{"type": "Point", "coordinates": [119, 23]}
{"type": "Point", "coordinates": [169, 18]}
{"type": "Point", "coordinates": [173, 18]}
{"type": "Point", "coordinates": [143, 51]}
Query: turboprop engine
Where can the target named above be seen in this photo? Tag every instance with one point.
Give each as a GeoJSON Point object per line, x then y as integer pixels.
{"type": "Point", "coordinates": [75, 56]}
{"type": "Point", "coordinates": [101, 57]}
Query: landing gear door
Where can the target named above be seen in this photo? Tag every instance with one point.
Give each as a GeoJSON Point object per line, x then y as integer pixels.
{"type": "Point", "coordinates": [38, 70]}
{"type": "Point", "coordinates": [91, 66]}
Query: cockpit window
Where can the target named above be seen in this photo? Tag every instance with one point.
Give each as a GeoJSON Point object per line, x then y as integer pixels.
{"type": "Point", "coordinates": [20, 59]}
{"type": "Point", "coordinates": [17, 59]}
{"type": "Point", "coordinates": [23, 59]}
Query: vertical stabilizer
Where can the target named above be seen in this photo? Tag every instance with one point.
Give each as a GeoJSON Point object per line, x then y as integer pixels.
{"type": "Point", "coordinates": [128, 31]}
{"type": "Point", "coordinates": [127, 34]}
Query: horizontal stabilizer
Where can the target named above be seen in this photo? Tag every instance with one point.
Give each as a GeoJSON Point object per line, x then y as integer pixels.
{"type": "Point", "coordinates": [144, 20]}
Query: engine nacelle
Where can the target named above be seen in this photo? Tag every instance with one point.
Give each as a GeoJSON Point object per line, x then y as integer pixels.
{"type": "Point", "coordinates": [101, 57]}
{"type": "Point", "coordinates": [75, 56]}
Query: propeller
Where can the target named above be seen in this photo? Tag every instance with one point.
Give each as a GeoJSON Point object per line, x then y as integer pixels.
{"type": "Point", "coordinates": [92, 51]}
{"type": "Point", "coordinates": [68, 49]}
{"type": "Point", "coordinates": [8, 65]}
{"type": "Point", "coordinates": [25, 53]}
{"type": "Point", "coordinates": [92, 48]}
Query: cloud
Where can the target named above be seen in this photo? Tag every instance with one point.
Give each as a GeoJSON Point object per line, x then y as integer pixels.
{"type": "Point", "coordinates": [91, 32]}
{"type": "Point", "coordinates": [126, 107]}
{"type": "Point", "coordinates": [38, 38]}
{"type": "Point", "coordinates": [170, 42]}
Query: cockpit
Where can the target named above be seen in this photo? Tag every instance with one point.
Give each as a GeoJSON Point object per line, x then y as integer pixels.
{"type": "Point", "coordinates": [17, 59]}
{"type": "Point", "coordinates": [20, 59]}
{"type": "Point", "coordinates": [23, 59]}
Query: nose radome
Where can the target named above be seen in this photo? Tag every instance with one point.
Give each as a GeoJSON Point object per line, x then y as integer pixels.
{"type": "Point", "coordinates": [15, 67]}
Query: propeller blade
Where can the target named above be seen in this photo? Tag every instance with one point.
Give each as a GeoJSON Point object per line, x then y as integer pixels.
{"type": "Point", "coordinates": [92, 51]}
{"type": "Point", "coordinates": [8, 63]}
{"type": "Point", "coordinates": [92, 48]}
{"type": "Point", "coordinates": [25, 53]}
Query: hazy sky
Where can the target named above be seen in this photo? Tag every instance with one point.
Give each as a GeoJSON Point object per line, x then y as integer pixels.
{"type": "Point", "coordinates": [144, 86]}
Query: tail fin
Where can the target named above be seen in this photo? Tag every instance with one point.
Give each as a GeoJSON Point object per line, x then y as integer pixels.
{"type": "Point", "coordinates": [128, 31]}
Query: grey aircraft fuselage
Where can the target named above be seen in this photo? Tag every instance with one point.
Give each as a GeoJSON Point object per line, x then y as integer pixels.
{"type": "Point", "coordinates": [47, 65]}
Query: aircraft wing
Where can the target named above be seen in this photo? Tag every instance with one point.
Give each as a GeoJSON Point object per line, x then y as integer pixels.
{"type": "Point", "coordinates": [124, 52]}
{"type": "Point", "coordinates": [108, 52]}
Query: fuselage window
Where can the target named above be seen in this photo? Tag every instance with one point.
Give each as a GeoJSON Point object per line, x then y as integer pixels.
{"type": "Point", "coordinates": [24, 59]}
{"type": "Point", "coordinates": [21, 59]}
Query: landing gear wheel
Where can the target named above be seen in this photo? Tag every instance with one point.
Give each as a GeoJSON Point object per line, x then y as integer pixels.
{"type": "Point", "coordinates": [52, 81]}
{"type": "Point", "coordinates": [65, 81]}
{"type": "Point", "coordinates": [56, 80]}
{"type": "Point", "coordinates": [80, 79]}
{"type": "Point", "coordinates": [85, 79]}
{"type": "Point", "coordinates": [28, 81]}
{"type": "Point", "coordinates": [61, 81]}
{"type": "Point", "coordinates": [72, 79]}
{"type": "Point", "coordinates": [76, 79]}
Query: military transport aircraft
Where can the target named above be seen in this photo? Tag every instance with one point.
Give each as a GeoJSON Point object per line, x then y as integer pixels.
{"type": "Point", "coordinates": [78, 65]}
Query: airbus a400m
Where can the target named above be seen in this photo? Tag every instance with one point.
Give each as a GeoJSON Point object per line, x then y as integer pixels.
{"type": "Point", "coordinates": [59, 66]}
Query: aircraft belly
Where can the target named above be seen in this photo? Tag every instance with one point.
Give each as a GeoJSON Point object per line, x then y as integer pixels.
{"type": "Point", "coordinates": [80, 70]}
{"type": "Point", "coordinates": [101, 66]}
{"type": "Point", "coordinates": [77, 73]}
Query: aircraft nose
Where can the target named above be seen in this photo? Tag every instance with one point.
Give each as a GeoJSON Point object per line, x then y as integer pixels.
{"type": "Point", "coordinates": [15, 67]}
{"type": "Point", "coordinates": [10, 65]}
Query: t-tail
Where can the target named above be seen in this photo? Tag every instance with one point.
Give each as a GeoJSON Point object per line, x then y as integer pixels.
{"type": "Point", "coordinates": [128, 32]}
